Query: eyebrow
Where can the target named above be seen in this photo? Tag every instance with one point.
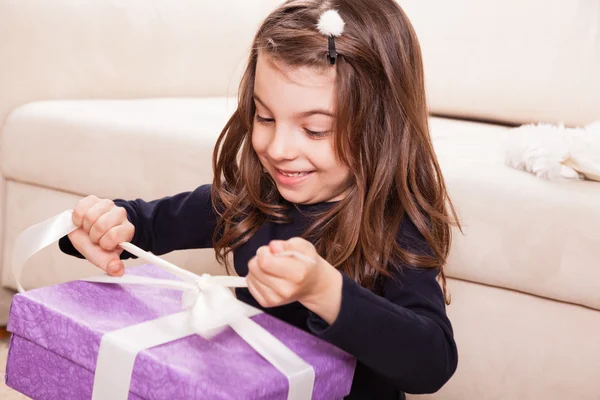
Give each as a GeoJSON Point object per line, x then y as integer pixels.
{"type": "Point", "coordinates": [301, 114]}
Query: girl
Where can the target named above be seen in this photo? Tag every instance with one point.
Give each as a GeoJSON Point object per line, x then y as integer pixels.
{"type": "Point", "coordinates": [327, 155]}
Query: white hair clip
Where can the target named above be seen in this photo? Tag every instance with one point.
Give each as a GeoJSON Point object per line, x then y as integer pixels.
{"type": "Point", "coordinates": [331, 25]}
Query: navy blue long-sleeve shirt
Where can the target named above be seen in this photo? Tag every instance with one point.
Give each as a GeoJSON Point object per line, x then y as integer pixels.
{"type": "Point", "coordinates": [403, 340]}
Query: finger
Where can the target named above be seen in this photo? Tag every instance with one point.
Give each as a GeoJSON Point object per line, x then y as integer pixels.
{"type": "Point", "coordinates": [253, 266]}
{"type": "Point", "coordinates": [281, 268]}
{"type": "Point", "coordinates": [299, 244]}
{"type": "Point", "coordinates": [90, 217]}
{"type": "Point", "coordinates": [263, 254]}
{"type": "Point", "coordinates": [114, 217]}
{"type": "Point", "coordinates": [115, 235]}
{"type": "Point", "coordinates": [260, 293]}
{"type": "Point", "coordinates": [277, 246]}
{"type": "Point", "coordinates": [115, 267]}
{"type": "Point", "coordinates": [275, 283]}
{"type": "Point", "coordinates": [297, 255]}
{"type": "Point", "coordinates": [262, 274]}
{"type": "Point", "coordinates": [301, 249]}
{"type": "Point", "coordinates": [264, 263]}
{"type": "Point", "coordinates": [108, 261]}
{"type": "Point", "coordinates": [291, 269]}
{"type": "Point", "coordinates": [82, 207]}
{"type": "Point", "coordinates": [263, 251]}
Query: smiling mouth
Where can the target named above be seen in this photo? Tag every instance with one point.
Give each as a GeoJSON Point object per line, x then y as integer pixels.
{"type": "Point", "coordinates": [293, 174]}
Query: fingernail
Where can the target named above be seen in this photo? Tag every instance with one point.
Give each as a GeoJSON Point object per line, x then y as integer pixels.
{"type": "Point", "coordinates": [113, 268]}
{"type": "Point", "coordinates": [278, 246]}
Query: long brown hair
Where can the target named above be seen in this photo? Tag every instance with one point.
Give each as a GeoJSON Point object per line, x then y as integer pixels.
{"type": "Point", "coordinates": [381, 134]}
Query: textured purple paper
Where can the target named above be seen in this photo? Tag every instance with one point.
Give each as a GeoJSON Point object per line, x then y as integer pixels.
{"type": "Point", "coordinates": [57, 331]}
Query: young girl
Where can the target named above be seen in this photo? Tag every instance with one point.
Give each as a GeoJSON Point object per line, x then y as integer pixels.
{"type": "Point", "coordinates": [327, 155]}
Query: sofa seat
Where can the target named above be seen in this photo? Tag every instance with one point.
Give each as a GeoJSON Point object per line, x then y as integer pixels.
{"type": "Point", "coordinates": [519, 232]}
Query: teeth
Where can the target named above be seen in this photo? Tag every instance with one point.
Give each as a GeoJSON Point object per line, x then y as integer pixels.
{"type": "Point", "coordinates": [294, 174]}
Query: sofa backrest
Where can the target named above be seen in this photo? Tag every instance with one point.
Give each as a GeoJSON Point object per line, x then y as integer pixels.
{"type": "Point", "coordinates": [511, 61]}
{"type": "Point", "coordinates": [98, 49]}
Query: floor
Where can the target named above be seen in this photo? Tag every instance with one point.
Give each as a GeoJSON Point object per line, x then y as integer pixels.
{"type": "Point", "coordinates": [6, 393]}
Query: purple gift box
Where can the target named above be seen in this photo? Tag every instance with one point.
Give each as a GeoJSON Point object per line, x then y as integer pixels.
{"type": "Point", "coordinates": [56, 333]}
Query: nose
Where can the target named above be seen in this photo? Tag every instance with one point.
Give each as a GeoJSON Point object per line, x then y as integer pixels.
{"type": "Point", "coordinates": [283, 145]}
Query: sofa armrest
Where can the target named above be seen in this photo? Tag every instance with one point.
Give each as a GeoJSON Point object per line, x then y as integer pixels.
{"type": "Point", "coordinates": [146, 148]}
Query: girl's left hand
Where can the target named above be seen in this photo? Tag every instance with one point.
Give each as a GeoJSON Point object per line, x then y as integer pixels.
{"type": "Point", "coordinates": [277, 280]}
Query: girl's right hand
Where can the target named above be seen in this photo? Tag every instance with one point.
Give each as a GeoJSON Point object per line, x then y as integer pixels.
{"type": "Point", "coordinates": [102, 226]}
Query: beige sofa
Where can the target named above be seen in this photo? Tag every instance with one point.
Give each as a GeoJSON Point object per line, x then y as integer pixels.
{"type": "Point", "coordinates": [127, 99]}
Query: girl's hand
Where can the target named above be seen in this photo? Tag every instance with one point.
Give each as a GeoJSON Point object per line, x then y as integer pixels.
{"type": "Point", "coordinates": [102, 226]}
{"type": "Point", "coordinates": [276, 279]}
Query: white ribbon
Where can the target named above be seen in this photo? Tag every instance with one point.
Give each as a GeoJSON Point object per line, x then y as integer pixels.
{"type": "Point", "coordinates": [209, 308]}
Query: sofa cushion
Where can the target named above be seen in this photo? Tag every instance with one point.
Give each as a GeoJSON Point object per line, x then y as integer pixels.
{"type": "Point", "coordinates": [516, 346]}
{"type": "Point", "coordinates": [519, 231]}
{"type": "Point", "coordinates": [120, 148]}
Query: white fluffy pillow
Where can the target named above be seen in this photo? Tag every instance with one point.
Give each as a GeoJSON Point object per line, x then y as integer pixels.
{"type": "Point", "coordinates": [555, 152]}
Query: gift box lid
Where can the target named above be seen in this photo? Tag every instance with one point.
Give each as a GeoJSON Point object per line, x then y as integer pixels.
{"type": "Point", "coordinates": [70, 319]}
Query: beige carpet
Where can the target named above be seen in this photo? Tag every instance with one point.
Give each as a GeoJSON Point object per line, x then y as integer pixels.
{"type": "Point", "coordinates": [6, 393]}
{"type": "Point", "coordinates": [5, 299]}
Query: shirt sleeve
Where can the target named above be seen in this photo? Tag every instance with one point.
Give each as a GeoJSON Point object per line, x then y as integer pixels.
{"type": "Point", "coordinates": [404, 335]}
{"type": "Point", "coordinates": [182, 221]}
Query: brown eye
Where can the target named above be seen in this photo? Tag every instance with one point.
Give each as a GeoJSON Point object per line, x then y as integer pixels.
{"type": "Point", "coordinates": [314, 134]}
{"type": "Point", "coordinates": [262, 120]}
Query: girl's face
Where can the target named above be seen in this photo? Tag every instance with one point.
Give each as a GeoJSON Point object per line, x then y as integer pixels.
{"type": "Point", "coordinates": [292, 131]}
